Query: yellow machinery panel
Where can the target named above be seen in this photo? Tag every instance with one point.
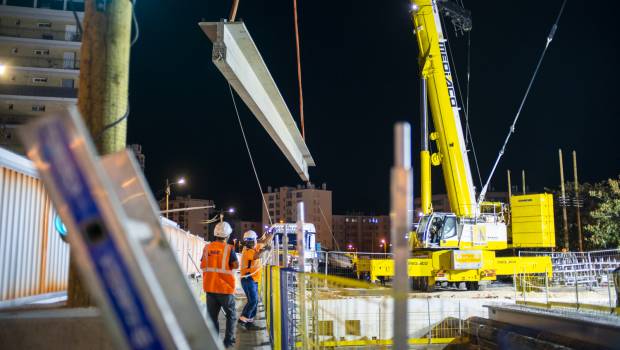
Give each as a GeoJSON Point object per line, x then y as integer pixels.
{"type": "Point", "coordinates": [532, 221]}
{"type": "Point", "coordinates": [514, 265]}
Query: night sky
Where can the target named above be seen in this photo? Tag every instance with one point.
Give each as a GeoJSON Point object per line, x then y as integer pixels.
{"type": "Point", "coordinates": [360, 75]}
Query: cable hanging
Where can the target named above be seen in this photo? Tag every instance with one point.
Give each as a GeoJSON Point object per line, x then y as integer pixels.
{"type": "Point", "coordinates": [470, 139]}
{"type": "Point", "coordinates": [247, 146]}
{"type": "Point", "coordinates": [301, 95]}
{"type": "Point", "coordinates": [527, 91]}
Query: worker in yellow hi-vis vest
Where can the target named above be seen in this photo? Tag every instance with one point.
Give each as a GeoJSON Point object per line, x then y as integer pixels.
{"type": "Point", "coordinates": [251, 274]}
{"type": "Point", "coordinates": [218, 280]}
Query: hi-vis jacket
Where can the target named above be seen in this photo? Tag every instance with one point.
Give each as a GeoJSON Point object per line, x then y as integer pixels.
{"type": "Point", "coordinates": [218, 276]}
{"type": "Point", "coordinates": [250, 263]}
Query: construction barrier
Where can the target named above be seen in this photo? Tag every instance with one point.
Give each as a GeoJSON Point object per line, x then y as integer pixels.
{"type": "Point", "coordinates": [583, 268]}
{"type": "Point", "coordinates": [318, 311]}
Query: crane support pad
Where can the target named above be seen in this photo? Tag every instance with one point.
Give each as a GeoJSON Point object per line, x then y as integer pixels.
{"type": "Point", "coordinates": [238, 58]}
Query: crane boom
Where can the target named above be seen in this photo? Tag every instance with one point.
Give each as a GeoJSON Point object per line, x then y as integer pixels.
{"type": "Point", "coordinates": [442, 98]}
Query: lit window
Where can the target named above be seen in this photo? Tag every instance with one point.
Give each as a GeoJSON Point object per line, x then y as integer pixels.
{"type": "Point", "coordinates": [39, 80]}
{"type": "Point", "coordinates": [41, 52]}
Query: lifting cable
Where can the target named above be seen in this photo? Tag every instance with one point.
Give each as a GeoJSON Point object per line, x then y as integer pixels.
{"type": "Point", "coordinates": [469, 140]}
{"type": "Point", "coordinates": [527, 91]}
{"type": "Point", "coordinates": [247, 147]}
{"type": "Point", "coordinates": [301, 95]}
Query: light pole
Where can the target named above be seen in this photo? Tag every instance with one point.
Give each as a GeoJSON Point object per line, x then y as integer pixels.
{"type": "Point", "coordinates": [169, 184]}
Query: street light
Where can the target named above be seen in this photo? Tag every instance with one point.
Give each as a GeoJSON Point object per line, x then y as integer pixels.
{"type": "Point", "coordinates": [169, 184]}
{"type": "Point", "coordinates": [384, 246]}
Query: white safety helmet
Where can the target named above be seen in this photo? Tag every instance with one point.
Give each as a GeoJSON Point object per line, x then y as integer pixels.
{"type": "Point", "coordinates": [222, 230]}
{"type": "Point", "coordinates": [250, 236]}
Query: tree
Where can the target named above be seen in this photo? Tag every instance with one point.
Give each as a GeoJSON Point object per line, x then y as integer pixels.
{"type": "Point", "coordinates": [604, 228]}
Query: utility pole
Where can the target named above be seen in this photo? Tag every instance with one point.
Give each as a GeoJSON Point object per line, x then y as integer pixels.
{"type": "Point", "coordinates": [523, 180]}
{"type": "Point", "coordinates": [563, 202]}
{"type": "Point", "coordinates": [577, 202]}
{"type": "Point", "coordinates": [509, 186]}
{"type": "Point", "coordinates": [103, 92]}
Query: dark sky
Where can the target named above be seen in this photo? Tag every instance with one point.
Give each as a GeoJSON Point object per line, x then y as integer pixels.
{"type": "Point", "coordinates": [360, 75]}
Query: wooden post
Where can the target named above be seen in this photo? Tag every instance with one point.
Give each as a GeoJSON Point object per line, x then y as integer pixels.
{"type": "Point", "coordinates": [577, 203]}
{"type": "Point", "coordinates": [103, 91]}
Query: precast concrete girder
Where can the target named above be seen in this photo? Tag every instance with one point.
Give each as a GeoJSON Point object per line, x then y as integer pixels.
{"type": "Point", "coordinates": [238, 58]}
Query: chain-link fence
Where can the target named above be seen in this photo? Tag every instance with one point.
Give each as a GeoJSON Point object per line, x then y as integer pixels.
{"type": "Point", "coordinates": [590, 269]}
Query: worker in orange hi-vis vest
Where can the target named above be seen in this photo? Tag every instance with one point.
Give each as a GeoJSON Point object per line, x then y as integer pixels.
{"type": "Point", "coordinates": [218, 263]}
{"type": "Point", "coordinates": [251, 274]}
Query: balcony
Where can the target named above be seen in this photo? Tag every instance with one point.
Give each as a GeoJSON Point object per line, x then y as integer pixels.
{"type": "Point", "coordinates": [40, 33]}
{"type": "Point", "coordinates": [41, 62]}
{"type": "Point", "coordinates": [38, 91]}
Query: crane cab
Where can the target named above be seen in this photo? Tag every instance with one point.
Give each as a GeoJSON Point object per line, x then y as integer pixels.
{"type": "Point", "coordinates": [447, 231]}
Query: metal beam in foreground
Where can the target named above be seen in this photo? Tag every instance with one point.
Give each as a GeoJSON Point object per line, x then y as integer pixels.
{"type": "Point", "coordinates": [238, 58]}
{"type": "Point", "coordinates": [401, 211]}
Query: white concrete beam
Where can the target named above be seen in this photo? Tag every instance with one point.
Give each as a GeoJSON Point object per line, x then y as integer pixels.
{"type": "Point", "coordinates": [238, 58]}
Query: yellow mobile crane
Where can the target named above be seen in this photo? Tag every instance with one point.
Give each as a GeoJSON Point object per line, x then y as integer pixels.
{"type": "Point", "coordinates": [461, 246]}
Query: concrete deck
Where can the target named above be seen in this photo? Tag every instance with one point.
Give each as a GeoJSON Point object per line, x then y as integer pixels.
{"type": "Point", "coordinates": [248, 339]}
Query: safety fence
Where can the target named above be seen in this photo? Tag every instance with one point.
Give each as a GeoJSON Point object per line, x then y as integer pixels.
{"type": "Point", "coordinates": [590, 269]}
{"type": "Point", "coordinates": [317, 311]}
{"type": "Point", "coordinates": [33, 257]}
{"type": "Point", "coordinates": [537, 290]}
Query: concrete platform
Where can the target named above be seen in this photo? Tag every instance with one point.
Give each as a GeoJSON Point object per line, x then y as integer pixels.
{"type": "Point", "coordinates": [248, 339]}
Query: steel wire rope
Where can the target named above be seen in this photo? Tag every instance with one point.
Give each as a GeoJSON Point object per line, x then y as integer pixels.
{"type": "Point", "coordinates": [527, 91]}
{"type": "Point", "coordinates": [466, 110]}
{"type": "Point", "coordinates": [247, 147]}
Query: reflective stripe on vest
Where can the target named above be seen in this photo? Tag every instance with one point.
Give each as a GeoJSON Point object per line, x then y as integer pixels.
{"type": "Point", "coordinates": [224, 264]}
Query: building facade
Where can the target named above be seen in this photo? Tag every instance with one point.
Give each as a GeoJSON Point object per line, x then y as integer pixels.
{"type": "Point", "coordinates": [190, 220]}
{"type": "Point", "coordinates": [39, 59]}
{"type": "Point", "coordinates": [282, 207]}
{"type": "Point", "coordinates": [140, 157]}
{"type": "Point", "coordinates": [362, 233]}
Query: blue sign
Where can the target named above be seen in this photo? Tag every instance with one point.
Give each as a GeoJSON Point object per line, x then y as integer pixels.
{"type": "Point", "coordinates": [60, 227]}
{"type": "Point", "coordinates": [118, 285]}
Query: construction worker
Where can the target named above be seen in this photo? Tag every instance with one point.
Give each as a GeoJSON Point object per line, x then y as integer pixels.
{"type": "Point", "coordinates": [218, 263]}
{"type": "Point", "coordinates": [251, 274]}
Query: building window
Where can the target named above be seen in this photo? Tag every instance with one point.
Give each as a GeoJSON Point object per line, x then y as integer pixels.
{"type": "Point", "coordinates": [326, 328]}
{"type": "Point", "coordinates": [41, 52]}
{"type": "Point", "coordinates": [68, 83]}
{"type": "Point", "coordinates": [44, 25]}
{"type": "Point", "coordinates": [39, 80]}
{"type": "Point", "coordinates": [298, 194]}
{"type": "Point", "coordinates": [38, 108]}
{"type": "Point", "coordinates": [270, 205]}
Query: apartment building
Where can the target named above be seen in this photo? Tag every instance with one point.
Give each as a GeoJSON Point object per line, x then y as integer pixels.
{"type": "Point", "coordinates": [39, 61]}
{"type": "Point", "coordinates": [190, 220]}
{"type": "Point", "coordinates": [362, 233]}
{"type": "Point", "coordinates": [282, 207]}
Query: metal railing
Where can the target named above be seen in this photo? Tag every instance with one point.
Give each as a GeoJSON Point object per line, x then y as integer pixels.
{"type": "Point", "coordinates": [537, 290]}
{"type": "Point", "coordinates": [40, 33]}
{"type": "Point", "coordinates": [41, 62]}
{"type": "Point", "coordinates": [583, 268]}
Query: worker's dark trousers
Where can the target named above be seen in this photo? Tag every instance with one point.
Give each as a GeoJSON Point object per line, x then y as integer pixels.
{"type": "Point", "coordinates": [250, 287]}
{"type": "Point", "coordinates": [215, 302]}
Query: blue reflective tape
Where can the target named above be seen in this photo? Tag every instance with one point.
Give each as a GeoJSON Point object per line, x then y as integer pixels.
{"type": "Point", "coordinates": [119, 287]}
